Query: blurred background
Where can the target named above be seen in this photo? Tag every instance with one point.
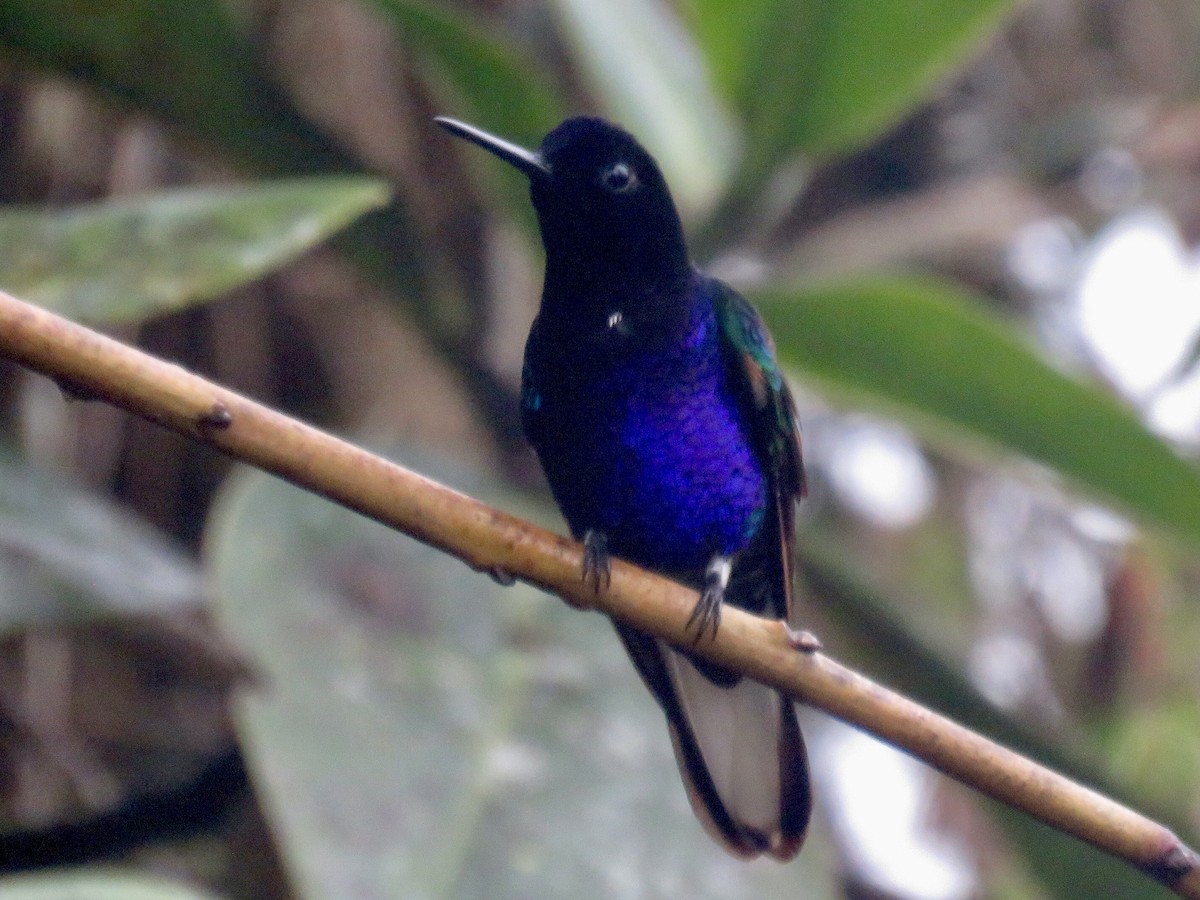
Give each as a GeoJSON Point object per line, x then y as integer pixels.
{"type": "Point", "coordinates": [972, 227]}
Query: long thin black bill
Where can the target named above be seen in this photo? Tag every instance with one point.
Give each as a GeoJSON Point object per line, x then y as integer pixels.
{"type": "Point", "coordinates": [526, 160]}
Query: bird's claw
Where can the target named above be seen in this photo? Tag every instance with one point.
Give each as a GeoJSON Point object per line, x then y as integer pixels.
{"type": "Point", "coordinates": [706, 615]}
{"type": "Point", "coordinates": [597, 563]}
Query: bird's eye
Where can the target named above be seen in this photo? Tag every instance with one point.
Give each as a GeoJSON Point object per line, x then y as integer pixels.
{"type": "Point", "coordinates": [619, 178]}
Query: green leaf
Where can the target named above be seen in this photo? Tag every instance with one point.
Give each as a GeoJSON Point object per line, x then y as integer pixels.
{"type": "Point", "coordinates": [423, 732]}
{"type": "Point", "coordinates": [728, 41]}
{"type": "Point", "coordinates": [97, 886]}
{"type": "Point", "coordinates": [481, 78]}
{"type": "Point", "coordinates": [124, 260]}
{"type": "Point", "coordinates": [66, 555]}
{"type": "Point", "coordinates": [926, 351]}
{"type": "Point", "coordinates": [185, 63]}
{"type": "Point", "coordinates": [821, 76]}
{"type": "Point", "coordinates": [647, 74]}
{"type": "Point", "coordinates": [500, 89]}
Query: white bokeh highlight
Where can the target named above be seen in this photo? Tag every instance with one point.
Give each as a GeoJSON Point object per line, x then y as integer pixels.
{"type": "Point", "coordinates": [1138, 308]}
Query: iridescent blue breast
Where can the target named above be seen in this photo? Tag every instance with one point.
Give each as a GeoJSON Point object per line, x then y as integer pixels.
{"type": "Point", "coordinates": [657, 455]}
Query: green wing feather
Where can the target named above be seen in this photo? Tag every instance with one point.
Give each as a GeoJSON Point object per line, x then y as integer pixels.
{"type": "Point", "coordinates": [752, 353]}
{"type": "Point", "coordinates": [750, 356]}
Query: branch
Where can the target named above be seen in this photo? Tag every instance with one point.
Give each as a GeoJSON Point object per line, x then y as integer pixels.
{"type": "Point", "coordinates": [90, 366]}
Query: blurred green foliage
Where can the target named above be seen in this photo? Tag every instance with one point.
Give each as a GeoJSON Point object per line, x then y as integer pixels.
{"type": "Point", "coordinates": [98, 886]}
{"type": "Point", "coordinates": [926, 352]}
{"type": "Point", "coordinates": [127, 260]}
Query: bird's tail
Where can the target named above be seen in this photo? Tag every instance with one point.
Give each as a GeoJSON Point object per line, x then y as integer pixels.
{"type": "Point", "coordinates": [738, 747]}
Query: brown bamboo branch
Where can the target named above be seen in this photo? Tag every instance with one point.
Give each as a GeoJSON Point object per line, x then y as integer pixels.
{"type": "Point", "coordinates": [90, 366]}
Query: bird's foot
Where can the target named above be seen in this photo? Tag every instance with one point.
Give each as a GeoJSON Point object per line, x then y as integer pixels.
{"type": "Point", "coordinates": [597, 563]}
{"type": "Point", "coordinates": [706, 617]}
{"type": "Point", "coordinates": [804, 640]}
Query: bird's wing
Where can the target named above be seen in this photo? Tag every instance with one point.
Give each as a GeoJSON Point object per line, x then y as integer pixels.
{"type": "Point", "coordinates": [750, 357]}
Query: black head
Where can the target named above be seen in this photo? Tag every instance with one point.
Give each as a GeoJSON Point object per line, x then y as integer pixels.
{"type": "Point", "coordinates": [607, 218]}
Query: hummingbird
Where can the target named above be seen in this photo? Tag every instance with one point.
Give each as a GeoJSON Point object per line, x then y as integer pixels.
{"type": "Point", "coordinates": [652, 397]}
